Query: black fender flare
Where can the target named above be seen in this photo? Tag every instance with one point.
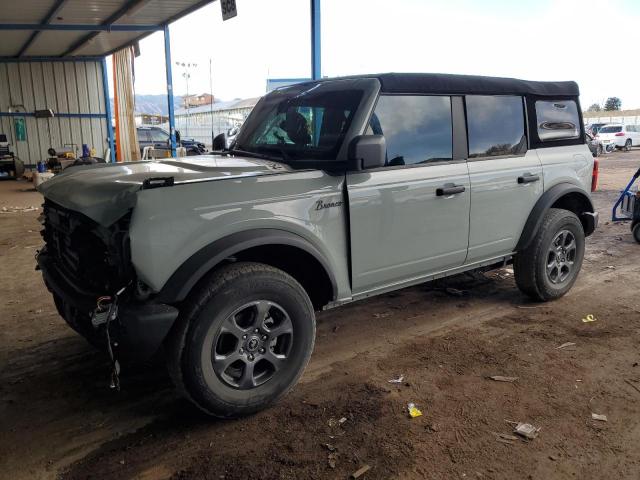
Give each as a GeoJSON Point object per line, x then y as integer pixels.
{"type": "Point", "coordinates": [204, 260]}
{"type": "Point", "coordinates": [544, 203]}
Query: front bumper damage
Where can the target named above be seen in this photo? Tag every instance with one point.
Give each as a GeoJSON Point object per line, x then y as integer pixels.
{"type": "Point", "coordinates": [138, 330]}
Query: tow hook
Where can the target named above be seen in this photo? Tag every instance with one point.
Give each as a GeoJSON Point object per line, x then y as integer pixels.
{"type": "Point", "coordinates": [105, 312]}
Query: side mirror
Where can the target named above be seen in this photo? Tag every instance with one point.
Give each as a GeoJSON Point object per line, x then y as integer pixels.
{"type": "Point", "coordinates": [219, 142]}
{"type": "Point", "coordinates": [367, 151]}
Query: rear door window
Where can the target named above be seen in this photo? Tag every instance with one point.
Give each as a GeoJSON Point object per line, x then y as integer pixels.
{"type": "Point", "coordinates": [495, 126]}
{"type": "Point", "coordinates": [417, 128]}
{"type": "Point", "coordinates": [557, 120]}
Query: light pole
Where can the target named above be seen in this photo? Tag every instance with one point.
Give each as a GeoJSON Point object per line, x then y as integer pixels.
{"type": "Point", "coordinates": [186, 75]}
{"type": "Point", "coordinates": [211, 105]}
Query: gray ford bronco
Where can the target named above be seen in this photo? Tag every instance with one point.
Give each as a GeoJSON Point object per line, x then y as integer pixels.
{"type": "Point", "coordinates": [333, 191]}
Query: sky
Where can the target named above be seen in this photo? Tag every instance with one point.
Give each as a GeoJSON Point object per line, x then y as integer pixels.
{"type": "Point", "coordinates": [580, 40]}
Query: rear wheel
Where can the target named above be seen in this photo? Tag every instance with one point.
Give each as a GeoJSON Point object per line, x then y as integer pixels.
{"type": "Point", "coordinates": [244, 340]}
{"type": "Point", "coordinates": [549, 266]}
{"type": "Point", "coordinates": [627, 145]}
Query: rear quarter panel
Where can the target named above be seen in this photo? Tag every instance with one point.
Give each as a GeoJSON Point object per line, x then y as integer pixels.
{"type": "Point", "coordinates": [569, 164]}
{"type": "Point", "coordinates": [170, 224]}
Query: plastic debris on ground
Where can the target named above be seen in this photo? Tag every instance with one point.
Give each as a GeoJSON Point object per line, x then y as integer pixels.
{"type": "Point", "coordinates": [18, 209]}
{"type": "Point", "coordinates": [455, 292]}
{"type": "Point", "coordinates": [589, 318]}
{"type": "Point", "coordinates": [500, 378]}
{"type": "Point", "coordinates": [399, 379]}
{"type": "Point", "coordinates": [334, 423]}
{"type": "Point", "coordinates": [565, 345]}
{"type": "Point", "coordinates": [360, 472]}
{"type": "Point", "coordinates": [527, 430]}
{"type": "Point", "coordinates": [597, 416]}
{"type": "Point", "coordinates": [505, 438]}
{"type": "Point", "coordinates": [413, 410]}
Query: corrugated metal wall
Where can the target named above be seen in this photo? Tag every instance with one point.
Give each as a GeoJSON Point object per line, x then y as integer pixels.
{"type": "Point", "coordinates": [73, 90]}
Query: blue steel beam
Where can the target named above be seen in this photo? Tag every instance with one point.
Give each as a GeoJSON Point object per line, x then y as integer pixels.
{"type": "Point", "coordinates": [117, 15]}
{"type": "Point", "coordinates": [316, 56]}
{"type": "Point", "coordinates": [82, 27]}
{"type": "Point", "coordinates": [144, 34]}
{"type": "Point", "coordinates": [54, 10]}
{"type": "Point", "coordinates": [49, 59]}
{"type": "Point", "coordinates": [172, 118]}
{"type": "Point", "coordinates": [55, 114]}
{"type": "Point", "coordinates": [178, 16]}
{"type": "Point", "coordinates": [107, 109]}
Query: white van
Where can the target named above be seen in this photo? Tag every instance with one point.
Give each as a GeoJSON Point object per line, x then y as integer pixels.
{"type": "Point", "coordinates": [622, 136]}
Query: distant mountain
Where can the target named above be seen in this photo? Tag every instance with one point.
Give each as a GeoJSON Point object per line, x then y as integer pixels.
{"type": "Point", "coordinates": [157, 104]}
{"type": "Point", "coordinates": [154, 104]}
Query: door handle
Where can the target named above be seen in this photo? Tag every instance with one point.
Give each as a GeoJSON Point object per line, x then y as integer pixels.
{"type": "Point", "coordinates": [528, 178]}
{"type": "Point", "coordinates": [449, 190]}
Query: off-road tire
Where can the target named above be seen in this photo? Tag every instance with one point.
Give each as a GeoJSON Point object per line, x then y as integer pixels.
{"type": "Point", "coordinates": [530, 265]}
{"type": "Point", "coordinates": [203, 313]}
{"type": "Point", "coordinates": [635, 230]}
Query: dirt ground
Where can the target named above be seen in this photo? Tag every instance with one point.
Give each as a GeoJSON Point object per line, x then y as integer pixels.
{"type": "Point", "coordinates": [58, 418]}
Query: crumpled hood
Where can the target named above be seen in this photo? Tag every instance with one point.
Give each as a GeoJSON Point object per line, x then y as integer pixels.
{"type": "Point", "coordinates": [105, 192]}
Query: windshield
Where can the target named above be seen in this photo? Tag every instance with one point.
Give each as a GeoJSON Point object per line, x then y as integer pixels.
{"type": "Point", "coordinates": [307, 121]}
{"type": "Point", "coordinates": [610, 130]}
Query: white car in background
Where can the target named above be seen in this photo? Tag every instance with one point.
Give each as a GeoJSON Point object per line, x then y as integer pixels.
{"type": "Point", "coordinates": [620, 136]}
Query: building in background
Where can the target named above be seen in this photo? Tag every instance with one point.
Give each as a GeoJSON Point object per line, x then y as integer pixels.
{"type": "Point", "coordinates": [205, 122]}
{"type": "Point", "coordinates": [189, 101]}
{"type": "Point", "coordinates": [626, 117]}
{"type": "Point", "coordinates": [150, 119]}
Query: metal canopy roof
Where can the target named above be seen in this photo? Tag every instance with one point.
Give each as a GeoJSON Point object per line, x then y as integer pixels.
{"type": "Point", "coordinates": [83, 28]}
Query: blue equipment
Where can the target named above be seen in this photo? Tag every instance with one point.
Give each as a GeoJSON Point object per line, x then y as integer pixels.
{"type": "Point", "coordinates": [628, 205]}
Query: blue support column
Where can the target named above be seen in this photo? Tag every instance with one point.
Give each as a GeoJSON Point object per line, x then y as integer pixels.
{"type": "Point", "coordinates": [172, 118]}
{"type": "Point", "coordinates": [107, 109]}
{"type": "Point", "coordinates": [316, 70]}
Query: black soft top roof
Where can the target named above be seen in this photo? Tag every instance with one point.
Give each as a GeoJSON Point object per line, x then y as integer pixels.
{"type": "Point", "coordinates": [441, 83]}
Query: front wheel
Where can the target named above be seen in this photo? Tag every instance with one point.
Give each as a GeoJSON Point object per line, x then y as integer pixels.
{"type": "Point", "coordinates": [549, 266]}
{"type": "Point", "coordinates": [244, 339]}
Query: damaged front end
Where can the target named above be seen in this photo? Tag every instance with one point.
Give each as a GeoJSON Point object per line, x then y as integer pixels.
{"type": "Point", "coordinates": [87, 267]}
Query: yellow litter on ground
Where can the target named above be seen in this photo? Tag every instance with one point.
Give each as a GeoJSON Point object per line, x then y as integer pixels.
{"type": "Point", "coordinates": [414, 411]}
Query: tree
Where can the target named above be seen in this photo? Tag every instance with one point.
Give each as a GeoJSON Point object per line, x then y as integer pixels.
{"type": "Point", "coordinates": [595, 108]}
{"type": "Point", "coordinates": [612, 103]}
